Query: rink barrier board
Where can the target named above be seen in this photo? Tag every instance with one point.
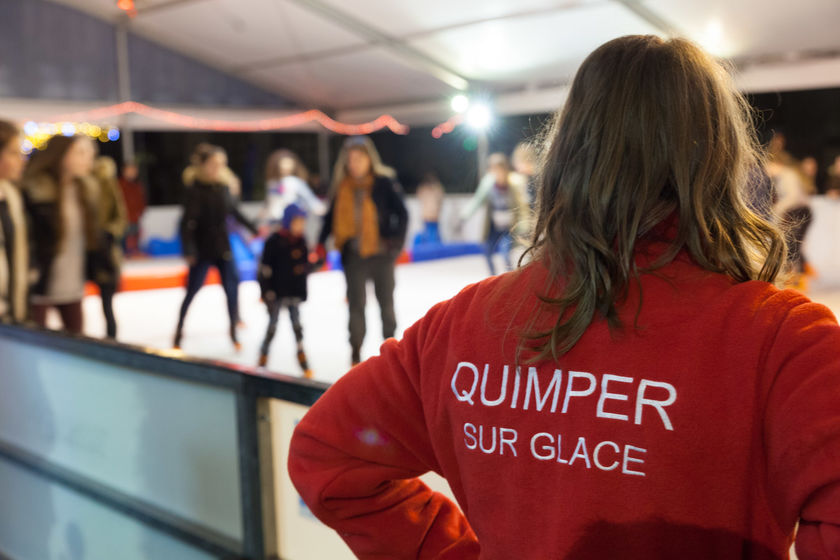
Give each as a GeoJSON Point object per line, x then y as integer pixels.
{"type": "Point", "coordinates": [154, 517]}
{"type": "Point", "coordinates": [161, 222]}
{"type": "Point", "coordinates": [249, 388]}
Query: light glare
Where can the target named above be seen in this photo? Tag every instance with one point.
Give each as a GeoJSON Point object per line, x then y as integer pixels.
{"type": "Point", "coordinates": [460, 103]}
{"type": "Point", "coordinates": [479, 117]}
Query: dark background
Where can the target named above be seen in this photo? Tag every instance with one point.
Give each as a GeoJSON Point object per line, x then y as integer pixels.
{"type": "Point", "coordinates": [809, 119]}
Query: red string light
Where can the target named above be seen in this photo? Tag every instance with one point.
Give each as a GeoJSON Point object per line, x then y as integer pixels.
{"type": "Point", "coordinates": [260, 125]}
{"type": "Point", "coordinates": [448, 126]}
{"type": "Point", "coordinates": [128, 7]}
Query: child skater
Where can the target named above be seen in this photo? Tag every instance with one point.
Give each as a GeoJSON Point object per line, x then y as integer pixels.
{"type": "Point", "coordinates": [283, 271]}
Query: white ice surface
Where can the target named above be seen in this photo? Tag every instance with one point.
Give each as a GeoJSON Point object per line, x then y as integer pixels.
{"type": "Point", "coordinates": [148, 318]}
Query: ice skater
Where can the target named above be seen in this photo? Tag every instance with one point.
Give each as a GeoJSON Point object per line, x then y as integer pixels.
{"type": "Point", "coordinates": [104, 263]}
{"type": "Point", "coordinates": [204, 234]}
{"type": "Point", "coordinates": [61, 204]}
{"type": "Point", "coordinates": [368, 221]}
{"type": "Point", "coordinates": [286, 184]}
{"type": "Point", "coordinates": [503, 193]}
{"type": "Point", "coordinates": [283, 272]}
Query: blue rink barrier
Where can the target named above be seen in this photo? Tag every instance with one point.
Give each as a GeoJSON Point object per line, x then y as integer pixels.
{"type": "Point", "coordinates": [334, 260]}
{"type": "Point", "coordinates": [247, 255]}
{"type": "Point", "coordinates": [434, 251]}
{"type": "Point", "coordinates": [157, 247]}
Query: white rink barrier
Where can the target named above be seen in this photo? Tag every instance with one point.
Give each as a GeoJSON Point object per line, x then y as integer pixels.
{"type": "Point", "coordinates": [822, 245]}
{"type": "Point", "coordinates": [161, 222]}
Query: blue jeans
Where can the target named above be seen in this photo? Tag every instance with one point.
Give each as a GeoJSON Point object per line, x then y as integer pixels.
{"type": "Point", "coordinates": [230, 283]}
{"type": "Point", "coordinates": [498, 240]}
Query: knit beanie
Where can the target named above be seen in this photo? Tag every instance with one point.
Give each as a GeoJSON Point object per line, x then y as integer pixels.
{"type": "Point", "coordinates": [292, 211]}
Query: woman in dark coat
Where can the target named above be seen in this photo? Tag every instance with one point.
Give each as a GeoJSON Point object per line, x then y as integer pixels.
{"type": "Point", "coordinates": [104, 264]}
{"type": "Point", "coordinates": [61, 200]}
{"type": "Point", "coordinates": [368, 222]}
{"type": "Point", "coordinates": [204, 234]}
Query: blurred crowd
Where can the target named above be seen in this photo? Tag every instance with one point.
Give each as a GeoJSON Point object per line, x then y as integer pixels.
{"type": "Point", "coordinates": [64, 222]}
{"type": "Point", "coordinates": [792, 183]}
{"type": "Point", "coordinates": [68, 217]}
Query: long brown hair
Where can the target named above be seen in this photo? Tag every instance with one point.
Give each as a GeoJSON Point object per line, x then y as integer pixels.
{"type": "Point", "coordinates": [272, 166]}
{"type": "Point", "coordinates": [8, 133]}
{"type": "Point", "coordinates": [48, 161]}
{"type": "Point", "coordinates": [365, 144]}
{"type": "Point", "coordinates": [653, 129]}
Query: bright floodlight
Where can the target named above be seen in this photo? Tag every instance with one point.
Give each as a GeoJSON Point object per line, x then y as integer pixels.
{"type": "Point", "coordinates": [460, 103]}
{"type": "Point", "coordinates": [479, 116]}
{"type": "Point", "coordinates": [714, 41]}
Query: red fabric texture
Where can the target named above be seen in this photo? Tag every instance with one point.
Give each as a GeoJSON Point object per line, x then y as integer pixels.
{"type": "Point", "coordinates": [705, 431]}
{"type": "Point", "coordinates": [135, 199]}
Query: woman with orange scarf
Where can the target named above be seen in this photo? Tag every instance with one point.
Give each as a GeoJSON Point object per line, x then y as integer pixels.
{"type": "Point", "coordinates": [368, 221]}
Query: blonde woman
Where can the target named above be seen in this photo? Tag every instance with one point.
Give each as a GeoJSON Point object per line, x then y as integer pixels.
{"type": "Point", "coordinates": [204, 235]}
{"type": "Point", "coordinates": [368, 221]}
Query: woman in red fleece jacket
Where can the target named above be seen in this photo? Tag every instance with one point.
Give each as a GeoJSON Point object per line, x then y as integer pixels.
{"type": "Point", "coordinates": [640, 390]}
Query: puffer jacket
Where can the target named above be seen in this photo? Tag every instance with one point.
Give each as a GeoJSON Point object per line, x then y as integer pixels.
{"type": "Point", "coordinates": [204, 234]}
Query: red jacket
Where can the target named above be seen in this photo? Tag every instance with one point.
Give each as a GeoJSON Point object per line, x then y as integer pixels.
{"type": "Point", "coordinates": [705, 433]}
{"type": "Point", "coordinates": [135, 199]}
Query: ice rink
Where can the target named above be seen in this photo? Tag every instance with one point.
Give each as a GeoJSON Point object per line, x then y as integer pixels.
{"type": "Point", "coordinates": [148, 318]}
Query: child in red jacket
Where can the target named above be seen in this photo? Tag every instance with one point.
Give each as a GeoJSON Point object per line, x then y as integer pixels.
{"type": "Point", "coordinates": [282, 275]}
{"type": "Point", "coordinates": [641, 390]}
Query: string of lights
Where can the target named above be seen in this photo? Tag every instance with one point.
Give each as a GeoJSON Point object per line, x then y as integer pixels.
{"type": "Point", "coordinates": [37, 134]}
{"type": "Point", "coordinates": [128, 7]}
{"type": "Point", "coordinates": [260, 125]}
{"type": "Point", "coordinates": [447, 126]}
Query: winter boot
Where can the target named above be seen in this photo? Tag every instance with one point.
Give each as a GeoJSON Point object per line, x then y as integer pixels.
{"type": "Point", "coordinates": [236, 344]}
{"type": "Point", "coordinates": [304, 364]}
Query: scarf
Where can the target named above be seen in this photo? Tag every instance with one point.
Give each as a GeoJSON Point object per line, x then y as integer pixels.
{"type": "Point", "coordinates": [355, 216]}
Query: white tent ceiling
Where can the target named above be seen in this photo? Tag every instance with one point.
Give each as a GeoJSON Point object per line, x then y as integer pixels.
{"type": "Point", "coordinates": [360, 56]}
